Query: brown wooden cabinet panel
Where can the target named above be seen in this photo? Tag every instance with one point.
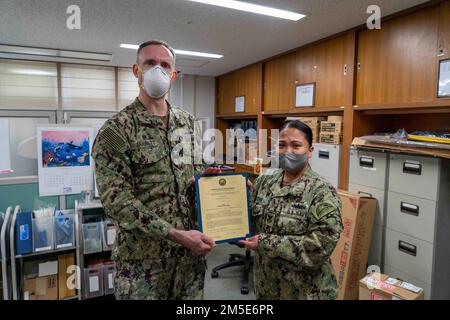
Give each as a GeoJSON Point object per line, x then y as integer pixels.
{"type": "Point", "coordinates": [306, 65]}
{"type": "Point", "coordinates": [249, 85]}
{"type": "Point", "coordinates": [330, 78]}
{"type": "Point", "coordinates": [243, 82]}
{"type": "Point", "coordinates": [398, 62]}
{"type": "Point", "coordinates": [279, 83]}
{"type": "Point", "coordinates": [323, 64]}
{"type": "Point", "coordinates": [443, 37]}
{"type": "Point", "coordinates": [225, 94]}
{"type": "Point", "coordinates": [444, 30]}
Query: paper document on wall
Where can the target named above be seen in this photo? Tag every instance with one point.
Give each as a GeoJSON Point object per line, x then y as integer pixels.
{"type": "Point", "coordinates": [304, 96]}
{"type": "Point", "coordinates": [5, 156]}
{"type": "Point", "coordinates": [444, 79]}
{"type": "Point", "coordinates": [240, 104]}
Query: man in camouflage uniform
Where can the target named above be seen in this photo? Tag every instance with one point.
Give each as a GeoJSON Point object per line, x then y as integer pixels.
{"type": "Point", "coordinates": [297, 228]}
{"type": "Point", "coordinates": [149, 195]}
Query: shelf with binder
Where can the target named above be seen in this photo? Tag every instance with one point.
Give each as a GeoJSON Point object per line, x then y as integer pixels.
{"type": "Point", "coordinates": [4, 247]}
{"type": "Point", "coordinates": [97, 236]}
{"type": "Point", "coordinates": [239, 135]}
{"type": "Point", "coordinates": [36, 242]}
{"type": "Point", "coordinates": [33, 237]}
{"type": "Point", "coordinates": [38, 254]}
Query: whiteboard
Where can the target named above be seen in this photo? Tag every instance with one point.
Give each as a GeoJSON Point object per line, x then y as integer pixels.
{"type": "Point", "coordinates": [5, 155]}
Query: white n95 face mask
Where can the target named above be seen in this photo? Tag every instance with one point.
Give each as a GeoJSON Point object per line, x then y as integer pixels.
{"type": "Point", "coordinates": [156, 81]}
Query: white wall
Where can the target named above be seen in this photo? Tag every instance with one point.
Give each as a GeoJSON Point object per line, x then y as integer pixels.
{"type": "Point", "coordinates": [195, 94]}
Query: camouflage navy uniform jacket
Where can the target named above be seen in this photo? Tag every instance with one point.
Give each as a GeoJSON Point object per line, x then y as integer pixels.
{"type": "Point", "coordinates": [142, 189]}
{"type": "Point", "coordinates": [299, 226]}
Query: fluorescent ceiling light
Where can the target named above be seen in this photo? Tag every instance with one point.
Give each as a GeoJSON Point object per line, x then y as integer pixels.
{"type": "Point", "coordinates": [129, 46]}
{"type": "Point", "coordinates": [180, 52]}
{"type": "Point", "coordinates": [43, 52]}
{"type": "Point", "coordinates": [254, 8]}
{"type": "Point", "coordinates": [198, 54]}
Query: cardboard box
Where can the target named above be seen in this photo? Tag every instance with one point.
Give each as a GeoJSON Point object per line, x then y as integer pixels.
{"type": "Point", "coordinates": [41, 288]}
{"type": "Point", "coordinates": [330, 138]}
{"type": "Point", "coordinates": [310, 121]}
{"type": "Point", "coordinates": [335, 119]}
{"type": "Point", "coordinates": [331, 127]}
{"type": "Point", "coordinates": [64, 261]}
{"type": "Point", "coordinates": [48, 268]}
{"type": "Point", "coordinates": [31, 269]}
{"type": "Point", "coordinates": [316, 133]}
{"type": "Point", "coordinates": [439, 153]}
{"type": "Point", "coordinates": [349, 258]}
{"type": "Point", "coordinates": [377, 286]}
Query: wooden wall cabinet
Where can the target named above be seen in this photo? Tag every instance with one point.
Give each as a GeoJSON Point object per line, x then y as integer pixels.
{"type": "Point", "coordinates": [444, 31]}
{"type": "Point", "coordinates": [324, 64]}
{"type": "Point", "coordinates": [279, 83]}
{"type": "Point", "coordinates": [243, 82]}
{"type": "Point", "coordinates": [397, 64]}
{"type": "Point", "coordinates": [225, 94]}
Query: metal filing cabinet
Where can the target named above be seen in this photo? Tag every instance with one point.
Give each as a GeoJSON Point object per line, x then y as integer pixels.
{"type": "Point", "coordinates": [368, 168]}
{"type": "Point", "coordinates": [417, 222]}
{"type": "Point", "coordinates": [368, 176]}
{"type": "Point", "coordinates": [413, 175]}
{"type": "Point", "coordinates": [411, 215]}
{"type": "Point", "coordinates": [325, 161]}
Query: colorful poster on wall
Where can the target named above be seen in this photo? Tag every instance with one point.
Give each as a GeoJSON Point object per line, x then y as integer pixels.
{"type": "Point", "coordinates": [64, 160]}
{"type": "Point", "coordinates": [5, 156]}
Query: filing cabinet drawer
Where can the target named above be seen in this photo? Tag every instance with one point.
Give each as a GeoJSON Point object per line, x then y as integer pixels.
{"type": "Point", "coordinates": [397, 274]}
{"type": "Point", "coordinates": [376, 247]}
{"type": "Point", "coordinates": [325, 160]}
{"type": "Point", "coordinates": [411, 215]}
{"type": "Point", "coordinates": [412, 175]}
{"type": "Point", "coordinates": [409, 255]}
{"type": "Point", "coordinates": [368, 168]}
{"type": "Point", "coordinates": [374, 193]}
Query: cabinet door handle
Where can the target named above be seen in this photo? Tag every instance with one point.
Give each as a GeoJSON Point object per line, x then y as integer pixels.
{"type": "Point", "coordinates": [366, 161]}
{"type": "Point", "coordinates": [412, 168]}
{"type": "Point", "coordinates": [366, 194]}
{"type": "Point", "coordinates": [407, 248]}
{"type": "Point", "coordinates": [323, 154]}
{"type": "Point", "coordinates": [409, 208]}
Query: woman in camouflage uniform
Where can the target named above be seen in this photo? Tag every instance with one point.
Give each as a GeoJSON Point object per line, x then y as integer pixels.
{"type": "Point", "coordinates": [296, 216]}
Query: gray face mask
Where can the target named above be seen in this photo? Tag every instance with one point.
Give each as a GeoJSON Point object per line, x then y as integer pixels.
{"type": "Point", "coordinates": [292, 162]}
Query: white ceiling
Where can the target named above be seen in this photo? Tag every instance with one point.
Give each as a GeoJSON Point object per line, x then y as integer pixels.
{"type": "Point", "coordinates": [243, 38]}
